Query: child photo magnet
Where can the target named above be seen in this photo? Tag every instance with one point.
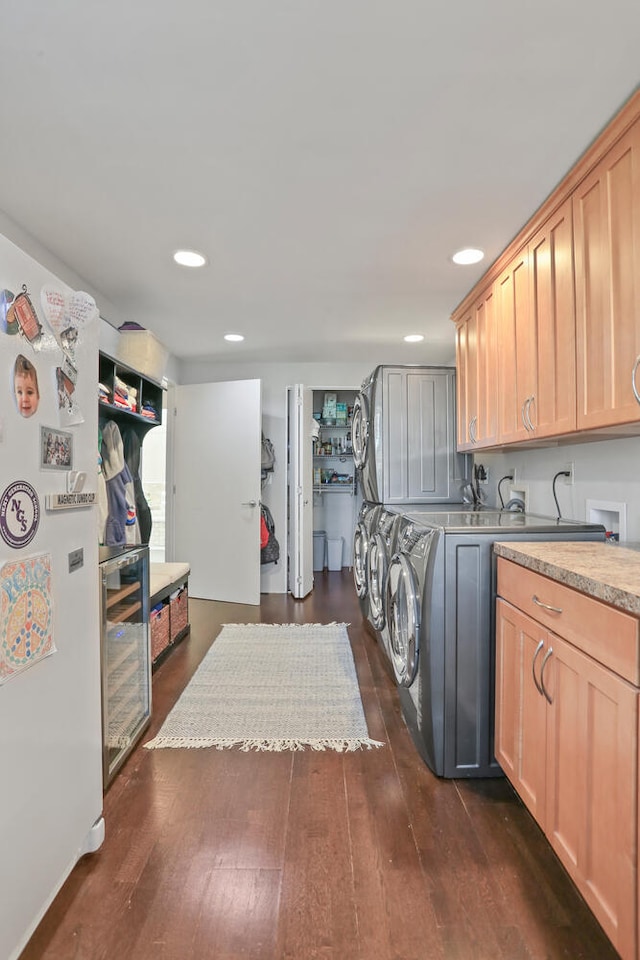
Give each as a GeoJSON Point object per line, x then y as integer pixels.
{"type": "Point", "coordinates": [25, 386]}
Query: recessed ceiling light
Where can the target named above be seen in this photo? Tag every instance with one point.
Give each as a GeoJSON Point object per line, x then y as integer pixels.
{"type": "Point", "coordinates": [468, 255]}
{"type": "Point", "coordinates": [414, 338]}
{"type": "Point", "coordinates": [234, 337]}
{"type": "Point", "coordinates": [189, 258]}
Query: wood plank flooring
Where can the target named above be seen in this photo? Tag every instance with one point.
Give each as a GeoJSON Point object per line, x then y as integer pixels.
{"type": "Point", "coordinates": [223, 855]}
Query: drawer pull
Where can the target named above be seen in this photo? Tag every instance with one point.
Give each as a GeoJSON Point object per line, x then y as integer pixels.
{"type": "Point", "coordinates": [533, 667]}
{"type": "Point", "coordinates": [546, 606]}
{"type": "Point", "coordinates": [544, 663]}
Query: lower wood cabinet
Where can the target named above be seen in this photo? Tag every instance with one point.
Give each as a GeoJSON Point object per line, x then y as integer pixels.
{"type": "Point", "coordinates": [567, 738]}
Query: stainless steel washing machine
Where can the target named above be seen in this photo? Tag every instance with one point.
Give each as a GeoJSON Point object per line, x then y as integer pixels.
{"type": "Point", "coordinates": [403, 434]}
{"type": "Point", "coordinates": [440, 600]}
{"type": "Point", "coordinates": [362, 538]}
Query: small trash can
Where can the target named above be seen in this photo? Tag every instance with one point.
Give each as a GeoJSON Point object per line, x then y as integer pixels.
{"type": "Point", "coordinates": [334, 552]}
{"type": "Point", "coordinates": [319, 548]}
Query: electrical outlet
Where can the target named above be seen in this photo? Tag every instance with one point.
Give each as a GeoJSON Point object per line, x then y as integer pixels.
{"type": "Point", "coordinates": [513, 473]}
{"type": "Point", "coordinates": [570, 468]}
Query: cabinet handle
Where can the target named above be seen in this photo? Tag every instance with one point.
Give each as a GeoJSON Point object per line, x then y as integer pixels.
{"type": "Point", "coordinates": [249, 503]}
{"type": "Point", "coordinates": [533, 667]}
{"type": "Point", "coordinates": [472, 429]}
{"type": "Point", "coordinates": [530, 400]}
{"type": "Point", "coordinates": [546, 606]}
{"type": "Point", "coordinates": [633, 379]}
{"type": "Point", "coordinates": [544, 663]}
{"type": "Point", "coordinates": [522, 416]}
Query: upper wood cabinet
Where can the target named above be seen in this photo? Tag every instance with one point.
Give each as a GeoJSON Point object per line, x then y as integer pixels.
{"type": "Point", "coordinates": [476, 344]}
{"type": "Point", "coordinates": [606, 211]}
{"type": "Point", "coordinates": [536, 335]}
{"type": "Point", "coordinates": [516, 349]}
{"type": "Point", "coordinates": [566, 351]}
{"type": "Point", "coordinates": [552, 320]}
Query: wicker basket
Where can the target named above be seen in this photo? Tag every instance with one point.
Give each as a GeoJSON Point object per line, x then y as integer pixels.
{"type": "Point", "coordinates": [179, 612]}
{"type": "Point", "coordinates": [160, 633]}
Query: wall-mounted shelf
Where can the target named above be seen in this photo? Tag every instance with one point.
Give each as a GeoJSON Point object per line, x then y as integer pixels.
{"type": "Point", "coordinates": [144, 407]}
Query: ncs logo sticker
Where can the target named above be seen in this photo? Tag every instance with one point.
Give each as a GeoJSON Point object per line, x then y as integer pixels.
{"type": "Point", "coordinates": [19, 514]}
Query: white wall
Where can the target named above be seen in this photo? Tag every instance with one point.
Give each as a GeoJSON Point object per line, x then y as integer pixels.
{"type": "Point", "coordinates": [276, 377]}
{"type": "Point", "coordinates": [605, 470]}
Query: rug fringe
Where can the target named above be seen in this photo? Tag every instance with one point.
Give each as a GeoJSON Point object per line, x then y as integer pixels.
{"type": "Point", "coordinates": [339, 745]}
{"type": "Point", "coordinates": [290, 626]}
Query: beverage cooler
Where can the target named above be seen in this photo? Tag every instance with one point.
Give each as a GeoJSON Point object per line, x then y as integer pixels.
{"type": "Point", "coordinates": [125, 648]}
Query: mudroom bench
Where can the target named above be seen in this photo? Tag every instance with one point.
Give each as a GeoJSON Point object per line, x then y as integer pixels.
{"type": "Point", "coordinates": [169, 607]}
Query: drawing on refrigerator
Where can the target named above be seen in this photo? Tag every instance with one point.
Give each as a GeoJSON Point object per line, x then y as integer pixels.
{"type": "Point", "coordinates": [26, 615]}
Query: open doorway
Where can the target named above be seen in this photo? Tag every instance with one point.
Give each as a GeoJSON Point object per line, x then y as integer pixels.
{"type": "Point", "coordinates": [332, 490]}
{"type": "Point", "coordinates": [335, 493]}
{"type": "Point", "coordinates": [154, 484]}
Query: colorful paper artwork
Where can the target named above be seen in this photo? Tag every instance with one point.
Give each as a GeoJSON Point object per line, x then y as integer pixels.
{"type": "Point", "coordinates": [26, 614]}
{"type": "Point", "coordinates": [67, 315]}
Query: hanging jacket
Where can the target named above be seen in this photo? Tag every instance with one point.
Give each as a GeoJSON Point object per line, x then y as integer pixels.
{"type": "Point", "coordinates": [131, 442]}
{"type": "Point", "coordinates": [101, 495]}
{"type": "Point", "coordinates": [122, 524]}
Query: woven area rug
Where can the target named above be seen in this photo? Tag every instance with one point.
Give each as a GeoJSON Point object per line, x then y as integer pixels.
{"type": "Point", "coordinates": [272, 687]}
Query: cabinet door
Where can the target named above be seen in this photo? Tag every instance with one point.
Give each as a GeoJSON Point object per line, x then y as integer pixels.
{"type": "Point", "coordinates": [430, 436]}
{"type": "Point", "coordinates": [463, 366]}
{"type": "Point", "coordinates": [592, 785]}
{"type": "Point", "coordinates": [476, 347]}
{"type": "Point", "coordinates": [516, 350]}
{"type": "Point", "coordinates": [486, 425]}
{"type": "Point", "coordinates": [521, 713]}
{"type": "Point", "coordinates": [606, 214]}
{"type": "Point", "coordinates": [553, 410]}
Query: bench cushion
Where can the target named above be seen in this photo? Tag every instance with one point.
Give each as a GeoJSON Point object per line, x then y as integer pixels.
{"type": "Point", "coordinates": [162, 575]}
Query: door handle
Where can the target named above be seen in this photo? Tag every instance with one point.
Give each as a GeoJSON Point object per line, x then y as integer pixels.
{"type": "Point", "coordinates": [249, 503]}
{"type": "Point", "coordinates": [533, 667]}
{"type": "Point", "coordinates": [542, 666]}
{"type": "Point", "coordinates": [633, 379]}
{"type": "Point", "coordinates": [527, 413]}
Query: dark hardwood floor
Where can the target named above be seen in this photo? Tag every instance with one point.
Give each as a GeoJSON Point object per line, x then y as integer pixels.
{"type": "Point", "coordinates": [222, 855]}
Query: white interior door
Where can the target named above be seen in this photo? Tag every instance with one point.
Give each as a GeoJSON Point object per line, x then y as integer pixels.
{"type": "Point", "coordinates": [216, 451]}
{"type": "Point", "coordinates": [300, 491]}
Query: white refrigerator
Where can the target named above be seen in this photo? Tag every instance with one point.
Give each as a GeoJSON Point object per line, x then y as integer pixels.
{"type": "Point", "coordinates": [50, 699]}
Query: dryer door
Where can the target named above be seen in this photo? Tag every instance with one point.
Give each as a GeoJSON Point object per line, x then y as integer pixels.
{"type": "Point", "coordinates": [360, 555]}
{"type": "Point", "coordinates": [403, 614]}
{"type": "Point", "coordinates": [377, 567]}
{"type": "Point", "coordinates": [360, 430]}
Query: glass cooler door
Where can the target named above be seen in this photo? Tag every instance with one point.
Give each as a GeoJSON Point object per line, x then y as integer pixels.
{"type": "Point", "coordinates": [126, 661]}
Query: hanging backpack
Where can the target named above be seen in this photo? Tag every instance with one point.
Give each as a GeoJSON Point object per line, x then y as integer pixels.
{"type": "Point", "coordinates": [268, 456]}
{"type": "Point", "coordinates": [271, 552]}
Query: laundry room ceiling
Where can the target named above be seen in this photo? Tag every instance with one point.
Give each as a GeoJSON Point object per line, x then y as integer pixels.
{"type": "Point", "coordinates": [327, 157]}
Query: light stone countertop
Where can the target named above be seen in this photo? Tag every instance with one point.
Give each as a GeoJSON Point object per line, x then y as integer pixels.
{"type": "Point", "coordinates": [602, 570]}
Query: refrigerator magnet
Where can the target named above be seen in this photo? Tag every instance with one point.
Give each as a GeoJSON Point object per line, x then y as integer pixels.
{"type": "Point", "coordinates": [23, 311]}
{"type": "Point", "coordinates": [19, 514]}
{"type": "Point", "coordinates": [8, 323]}
{"type": "Point", "coordinates": [56, 449]}
{"type": "Point", "coordinates": [25, 386]}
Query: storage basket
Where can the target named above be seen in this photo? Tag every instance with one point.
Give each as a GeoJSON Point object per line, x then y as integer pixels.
{"type": "Point", "coordinates": [160, 636]}
{"type": "Point", "coordinates": [141, 351]}
{"type": "Point", "coordinates": [179, 605]}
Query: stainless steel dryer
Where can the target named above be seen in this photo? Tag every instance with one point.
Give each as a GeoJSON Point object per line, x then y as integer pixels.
{"type": "Point", "coordinates": [381, 550]}
{"type": "Point", "coordinates": [441, 589]}
{"type": "Point", "coordinates": [403, 434]}
{"type": "Point", "coordinates": [362, 538]}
